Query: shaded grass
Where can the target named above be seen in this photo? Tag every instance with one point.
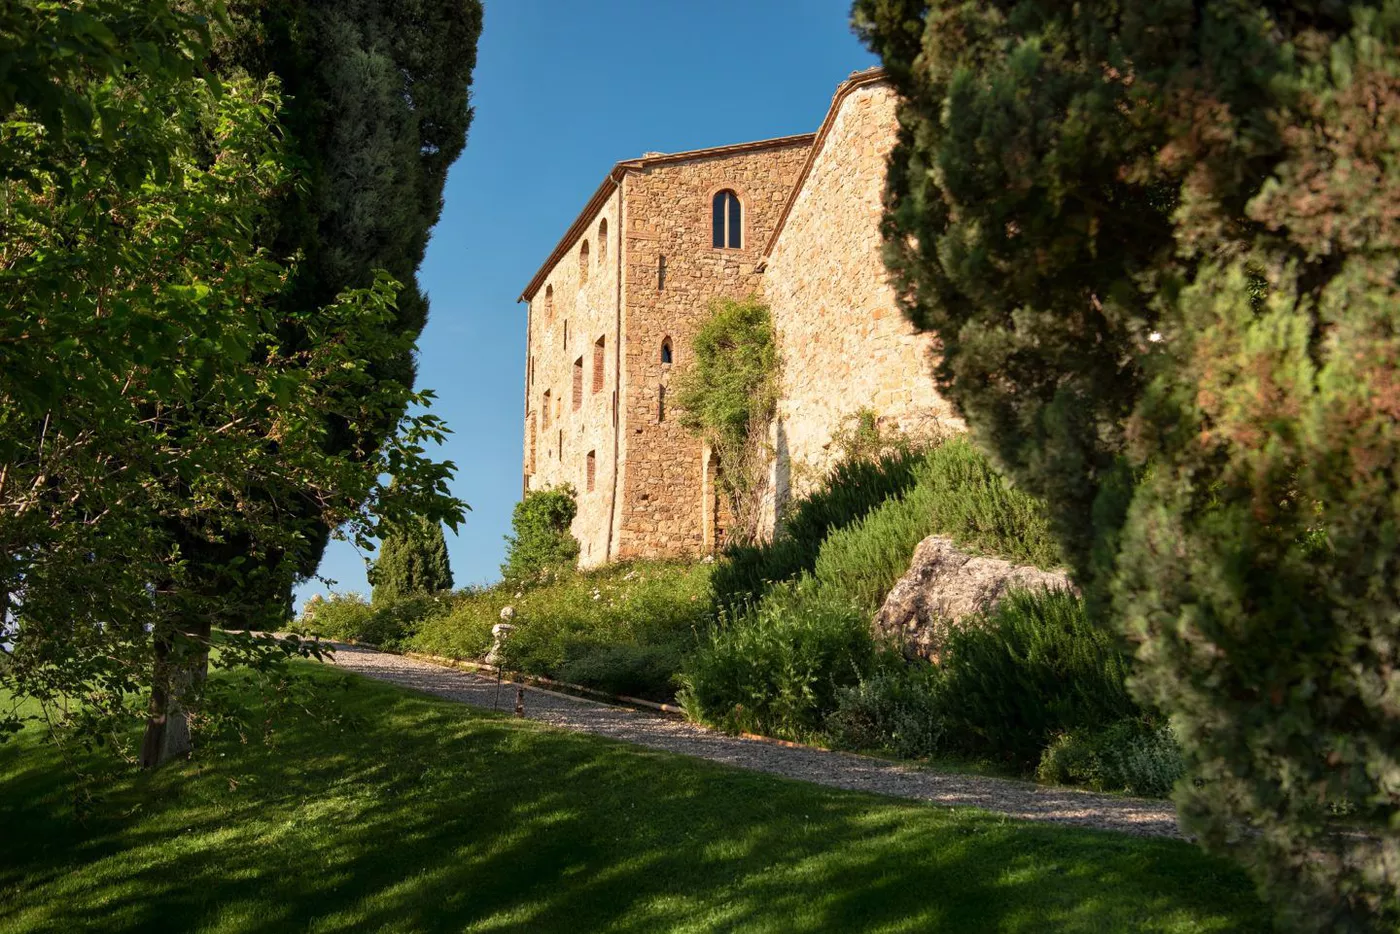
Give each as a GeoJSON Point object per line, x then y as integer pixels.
{"type": "Point", "coordinates": [424, 815]}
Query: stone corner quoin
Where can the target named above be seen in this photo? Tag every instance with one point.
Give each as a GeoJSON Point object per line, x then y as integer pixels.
{"type": "Point", "coordinates": [614, 308]}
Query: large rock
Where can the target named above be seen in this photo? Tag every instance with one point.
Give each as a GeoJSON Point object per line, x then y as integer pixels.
{"type": "Point", "coordinates": [943, 586]}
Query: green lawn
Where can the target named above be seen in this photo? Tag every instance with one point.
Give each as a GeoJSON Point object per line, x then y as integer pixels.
{"type": "Point", "coordinates": [422, 815]}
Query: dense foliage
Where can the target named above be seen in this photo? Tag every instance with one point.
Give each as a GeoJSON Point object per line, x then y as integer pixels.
{"type": "Point", "coordinates": [623, 628]}
{"type": "Point", "coordinates": [143, 385]}
{"type": "Point", "coordinates": [855, 487]}
{"type": "Point", "coordinates": [1157, 246]}
{"type": "Point", "coordinates": [778, 667]}
{"type": "Point", "coordinates": [781, 663]}
{"type": "Point", "coordinates": [387, 623]}
{"type": "Point", "coordinates": [412, 560]}
{"type": "Point", "coordinates": [541, 542]}
{"type": "Point", "coordinates": [375, 112]}
{"type": "Point", "coordinates": [727, 397]}
{"type": "Point", "coordinates": [1035, 668]}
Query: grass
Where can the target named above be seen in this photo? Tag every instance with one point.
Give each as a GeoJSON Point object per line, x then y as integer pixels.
{"type": "Point", "coordinates": [419, 814]}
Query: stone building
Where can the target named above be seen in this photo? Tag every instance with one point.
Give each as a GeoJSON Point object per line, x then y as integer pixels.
{"type": "Point", "coordinates": [613, 309]}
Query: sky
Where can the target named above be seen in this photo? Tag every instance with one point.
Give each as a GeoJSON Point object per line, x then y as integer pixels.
{"type": "Point", "coordinates": [562, 90]}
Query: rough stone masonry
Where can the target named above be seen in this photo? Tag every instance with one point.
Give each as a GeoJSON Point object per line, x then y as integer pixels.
{"type": "Point", "coordinates": [614, 307]}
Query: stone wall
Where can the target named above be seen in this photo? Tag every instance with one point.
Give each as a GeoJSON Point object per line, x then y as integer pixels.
{"type": "Point", "coordinates": [568, 316]}
{"type": "Point", "coordinates": [844, 343]}
{"type": "Point", "coordinates": [667, 211]}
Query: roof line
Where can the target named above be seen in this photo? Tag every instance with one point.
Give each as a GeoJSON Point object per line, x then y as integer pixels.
{"type": "Point", "coordinates": [614, 176]}
{"type": "Point", "coordinates": [857, 79]}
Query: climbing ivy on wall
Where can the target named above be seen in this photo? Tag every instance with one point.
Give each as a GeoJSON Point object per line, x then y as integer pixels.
{"type": "Point", "coordinates": [728, 396]}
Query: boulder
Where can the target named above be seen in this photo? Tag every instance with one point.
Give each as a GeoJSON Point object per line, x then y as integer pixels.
{"type": "Point", "coordinates": [942, 587]}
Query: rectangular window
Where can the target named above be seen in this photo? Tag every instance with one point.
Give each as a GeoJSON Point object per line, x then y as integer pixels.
{"type": "Point", "coordinates": [591, 470]}
{"type": "Point", "coordinates": [578, 384]}
{"type": "Point", "coordinates": [598, 365]}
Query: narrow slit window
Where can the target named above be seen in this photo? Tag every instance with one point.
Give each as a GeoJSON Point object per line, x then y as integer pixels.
{"type": "Point", "coordinates": [566, 333]}
{"type": "Point", "coordinates": [666, 356]}
{"type": "Point", "coordinates": [559, 449]}
{"type": "Point", "coordinates": [727, 219]}
{"type": "Point", "coordinates": [590, 470]}
{"type": "Point", "coordinates": [602, 239]}
{"type": "Point", "coordinates": [661, 272]}
{"type": "Point", "coordinates": [660, 404]}
{"type": "Point", "coordinates": [544, 406]}
{"type": "Point", "coordinates": [549, 304]}
{"type": "Point", "coordinates": [578, 384]}
{"type": "Point", "coordinates": [583, 264]}
{"type": "Point", "coordinates": [598, 365]}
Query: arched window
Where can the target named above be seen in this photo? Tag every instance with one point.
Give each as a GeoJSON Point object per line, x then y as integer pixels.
{"type": "Point", "coordinates": [590, 470]}
{"type": "Point", "coordinates": [728, 220]}
{"type": "Point", "coordinates": [578, 384]}
{"type": "Point", "coordinates": [666, 350]}
{"type": "Point", "coordinates": [598, 358]}
{"type": "Point", "coordinates": [548, 304]}
{"type": "Point", "coordinates": [602, 239]}
{"type": "Point", "coordinates": [583, 263]}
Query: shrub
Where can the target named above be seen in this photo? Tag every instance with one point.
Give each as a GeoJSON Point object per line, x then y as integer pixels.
{"type": "Point", "coordinates": [388, 623]}
{"type": "Point", "coordinates": [1134, 755]}
{"type": "Point", "coordinates": [541, 542]}
{"type": "Point", "coordinates": [1033, 668]}
{"type": "Point", "coordinates": [896, 709]}
{"type": "Point", "coordinates": [638, 670]}
{"type": "Point", "coordinates": [778, 668]}
{"type": "Point", "coordinates": [621, 628]}
{"type": "Point", "coordinates": [955, 493]}
{"type": "Point", "coordinates": [853, 489]}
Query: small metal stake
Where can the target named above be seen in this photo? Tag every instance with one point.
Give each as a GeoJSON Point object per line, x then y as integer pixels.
{"type": "Point", "coordinates": [520, 701]}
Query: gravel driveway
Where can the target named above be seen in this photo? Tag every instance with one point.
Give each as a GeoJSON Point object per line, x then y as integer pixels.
{"type": "Point", "coordinates": [837, 769]}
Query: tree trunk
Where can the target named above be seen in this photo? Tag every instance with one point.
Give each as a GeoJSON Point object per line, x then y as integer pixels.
{"type": "Point", "coordinates": [182, 663]}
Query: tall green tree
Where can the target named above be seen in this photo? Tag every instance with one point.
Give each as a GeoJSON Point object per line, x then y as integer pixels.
{"type": "Point", "coordinates": [376, 109]}
{"type": "Point", "coordinates": [143, 385]}
{"type": "Point", "coordinates": [412, 560]}
{"type": "Point", "coordinates": [1158, 246]}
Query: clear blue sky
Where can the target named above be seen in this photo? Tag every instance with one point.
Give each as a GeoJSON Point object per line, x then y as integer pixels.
{"type": "Point", "coordinates": [562, 90]}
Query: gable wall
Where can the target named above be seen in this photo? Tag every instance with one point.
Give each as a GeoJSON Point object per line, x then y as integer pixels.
{"type": "Point", "coordinates": [844, 343]}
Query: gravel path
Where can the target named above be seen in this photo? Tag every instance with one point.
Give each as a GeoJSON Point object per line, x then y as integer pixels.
{"type": "Point", "coordinates": [836, 769]}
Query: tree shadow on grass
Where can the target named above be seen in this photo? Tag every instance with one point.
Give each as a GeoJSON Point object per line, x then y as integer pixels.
{"type": "Point", "coordinates": [427, 816]}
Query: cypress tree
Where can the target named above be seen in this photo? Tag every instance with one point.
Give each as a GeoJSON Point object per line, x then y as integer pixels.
{"type": "Point", "coordinates": [412, 561]}
{"type": "Point", "coordinates": [377, 110]}
{"type": "Point", "coordinates": [1157, 242]}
